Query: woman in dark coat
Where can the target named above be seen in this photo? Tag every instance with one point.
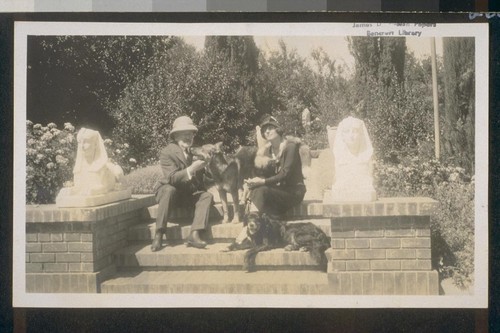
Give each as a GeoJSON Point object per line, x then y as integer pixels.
{"type": "Point", "coordinates": [275, 194]}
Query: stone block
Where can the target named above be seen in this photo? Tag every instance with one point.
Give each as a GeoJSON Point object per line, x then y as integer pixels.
{"type": "Point", "coordinates": [343, 234]}
{"type": "Point", "coordinates": [336, 265]}
{"type": "Point", "coordinates": [370, 254]}
{"type": "Point", "coordinates": [416, 265]}
{"type": "Point", "coordinates": [385, 265]}
{"type": "Point", "coordinates": [378, 283]}
{"type": "Point", "coordinates": [369, 233]}
{"type": "Point", "coordinates": [389, 283]}
{"type": "Point", "coordinates": [42, 257]}
{"type": "Point", "coordinates": [54, 247]}
{"type": "Point", "coordinates": [337, 243]}
{"type": "Point", "coordinates": [80, 247]}
{"type": "Point", "coordinates": [334, 282]}
{"type": "Point", "coordinates": [345, 284]}
{"type": "Point", "coordinates": [385, 243]}
{"type": "Point", "coordinates": [44, 237]}
{"type": "Point", "coordinates": [357, 283]}
{"type": "Point", "coordinates": [422, 283]}
{"type": "Point", "coordinates": [400, 254]}
{"type": "Point", "coordinates": [33, 247]}
{"type": "Point", "coordinates": [32, 237]}
{"type": "Point", "coordinates": [423, 254]}
{"type": "Point", "coordinates": [367, 283]}
{"type": "Point", "coordinates": [400, 233]}
{"type": "Point", "coordinates": [423, 232]}
{"type": "Point", "coordinates": [58, 237]}
{"type": "Point", "coordinates": [399, 283]}
{"type": "Point", "coordinates": [68, 257]}
{"type": "Point", "coordinates": [433, 282]}
{"type": "Point", "coordinates": [357, 265]}
{"type": "Point", "coordinates": [411, 283]}
{"type": "Point", "coordinates": [75, 267]}
{"type": "Point", "coordinates": [357, 243]}
{"type": "Point", "coordinates": [55, 267]}
{"type": "Point", "coordinates": [341, 254]}
{"type": "Point", "coordinates": [416, 243]}
{"type": "Point", "coordinates": [34, 267]}
{"type": "Point", "coordinates": [87, 237]}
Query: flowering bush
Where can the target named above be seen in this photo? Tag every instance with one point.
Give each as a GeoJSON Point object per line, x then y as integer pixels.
{"type": "Point", "coordinates": [453, 224]}
{"type": "Point", "coordinates": [50, 157]}
{"type": "Point", "coordinates": [415, 176]}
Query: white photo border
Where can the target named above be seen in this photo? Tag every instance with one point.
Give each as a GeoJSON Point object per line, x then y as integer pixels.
{"type": "Point", "coordinates": [479, 298]}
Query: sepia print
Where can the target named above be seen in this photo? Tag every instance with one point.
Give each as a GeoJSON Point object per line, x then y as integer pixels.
{"type": "Point", "coordinates": [250, 165]}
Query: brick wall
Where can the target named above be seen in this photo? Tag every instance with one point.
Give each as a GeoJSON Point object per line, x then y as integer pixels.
{"type": "Point", "coordinates": [382, 247]}
{"type": "Point", "coordinates": [71, 250]}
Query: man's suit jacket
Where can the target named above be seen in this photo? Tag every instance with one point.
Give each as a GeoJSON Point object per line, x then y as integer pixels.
{"type": "Point", "coordinates": [174, 168]}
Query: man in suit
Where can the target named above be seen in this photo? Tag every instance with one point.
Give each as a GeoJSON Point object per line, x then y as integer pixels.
{"type": "Point", "coordinates": [182, 184]}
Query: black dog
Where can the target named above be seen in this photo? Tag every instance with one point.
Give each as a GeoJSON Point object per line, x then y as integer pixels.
{"type": "Point", "coordinates": [307, 237]}
{"type": "Point", "coordinates": [263, 234]}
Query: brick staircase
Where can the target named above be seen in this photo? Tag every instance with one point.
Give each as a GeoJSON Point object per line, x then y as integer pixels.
{"type": "Point", "coordinates": [180, 269]}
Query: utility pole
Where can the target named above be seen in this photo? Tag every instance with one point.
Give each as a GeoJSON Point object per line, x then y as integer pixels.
{"type": "Point", "coordinates": [435, 98]}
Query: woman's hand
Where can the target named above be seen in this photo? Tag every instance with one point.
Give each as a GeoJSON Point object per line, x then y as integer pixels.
{"type": "Point", "coordinates": [255, 182]}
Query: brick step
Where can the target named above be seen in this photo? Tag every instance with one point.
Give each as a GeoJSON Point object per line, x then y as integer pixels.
{"type": "Point", "coordinates": [217, 231]}
{"type": "Point", "coordinates": [181, 257]}
{"type": "Point", "coordinates": [308, 208]}
{"type": "Point", "coordinates": [219, 282]}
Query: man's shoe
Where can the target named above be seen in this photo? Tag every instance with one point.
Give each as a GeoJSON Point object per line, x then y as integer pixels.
{"type": "Point", "coordinates": [194, 240]}
{"type": "Point", "coordinates": [156, 246]}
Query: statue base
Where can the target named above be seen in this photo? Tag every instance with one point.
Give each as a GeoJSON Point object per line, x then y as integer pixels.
{"type": "Point", "coordinates": [74, 201]}
{"type": "Point", "coordinates": [349, 196]}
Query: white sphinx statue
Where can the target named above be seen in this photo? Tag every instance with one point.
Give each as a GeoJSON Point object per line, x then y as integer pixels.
{"type": "Point", "coordinates": [352, 152]}
{"type": "Point", "coordinates": [96, 181]}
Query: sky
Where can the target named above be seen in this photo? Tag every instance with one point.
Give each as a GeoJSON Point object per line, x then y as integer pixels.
{"type": "Point", "coordinates": [335, 46]}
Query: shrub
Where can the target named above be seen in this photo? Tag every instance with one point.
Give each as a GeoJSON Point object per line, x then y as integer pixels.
{"type": "Point", "coordinates": [452, 225]}
{"type": "Point", "coordinates": [144, 179]}
{"type": "Point", "coordinates": [50, 157]}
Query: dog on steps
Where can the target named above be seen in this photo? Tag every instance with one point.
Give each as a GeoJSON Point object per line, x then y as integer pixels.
{"type": "Point", "coordinates": [307, 237]}
{"type": "Point", "coordinates": [265, 233]}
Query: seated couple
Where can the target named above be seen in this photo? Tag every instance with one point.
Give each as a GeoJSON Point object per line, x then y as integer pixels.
{"type": "Point", "coordinates": [182, 182]}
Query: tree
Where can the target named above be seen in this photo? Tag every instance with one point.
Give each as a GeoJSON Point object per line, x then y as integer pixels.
{"type": "Point", "coordinates": [183, 82]}
{"type": "Point", "coordinates": [77, 78]}
{"type": "Point", "coordinates": [458, 118]}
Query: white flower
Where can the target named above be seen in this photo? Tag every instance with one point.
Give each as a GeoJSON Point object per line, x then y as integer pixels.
{"type": "Point", "coordinates": [51, 125]}
{"type": "Point", "coordinates": [50, 165]}
{"type": "Point", "coordinates": [108, 141]}
{"type": "Point", "coordinates": [69, 127]}
{"type": "Point", "coordinates": [37, 126]}
{"type": "Point", "coordinates": [47, 136]}
{"type": "Point", "coordinates": [132, 160]}
{"type": "Point", "coordinates": [125, 145]}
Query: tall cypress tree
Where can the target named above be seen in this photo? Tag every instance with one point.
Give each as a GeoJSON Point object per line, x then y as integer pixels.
{"type": "Point", "coordinates": [458, 117]}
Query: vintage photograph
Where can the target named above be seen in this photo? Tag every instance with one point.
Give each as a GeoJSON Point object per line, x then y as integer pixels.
{"type": "Point", "coordinates": [262, 165]}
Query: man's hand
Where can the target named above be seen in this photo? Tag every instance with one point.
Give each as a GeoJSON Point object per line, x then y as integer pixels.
{"type": "Point", "coordinates": [196, 165]}
{"type": "Point", "coordinates": [255, 182]}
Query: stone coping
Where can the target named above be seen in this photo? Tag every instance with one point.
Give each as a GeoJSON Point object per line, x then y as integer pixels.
{"type": "Point", "coordinates": [51, 213]}
{"type": "Point", "coordinates": [397, 206]}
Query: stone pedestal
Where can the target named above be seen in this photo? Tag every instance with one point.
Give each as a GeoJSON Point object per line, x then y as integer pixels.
{"type": "Point", "coordinates": [382, 247]}
{"type": "Point", "coordinates": [63, 201]}
{"type": "Point", "coordinates": [70, 250]}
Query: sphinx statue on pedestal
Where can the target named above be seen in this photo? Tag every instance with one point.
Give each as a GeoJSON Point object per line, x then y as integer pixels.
{"type": "Point", "coordinates": [352, 151]}
{"type": "Point", "coordinates": [97, 181]}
